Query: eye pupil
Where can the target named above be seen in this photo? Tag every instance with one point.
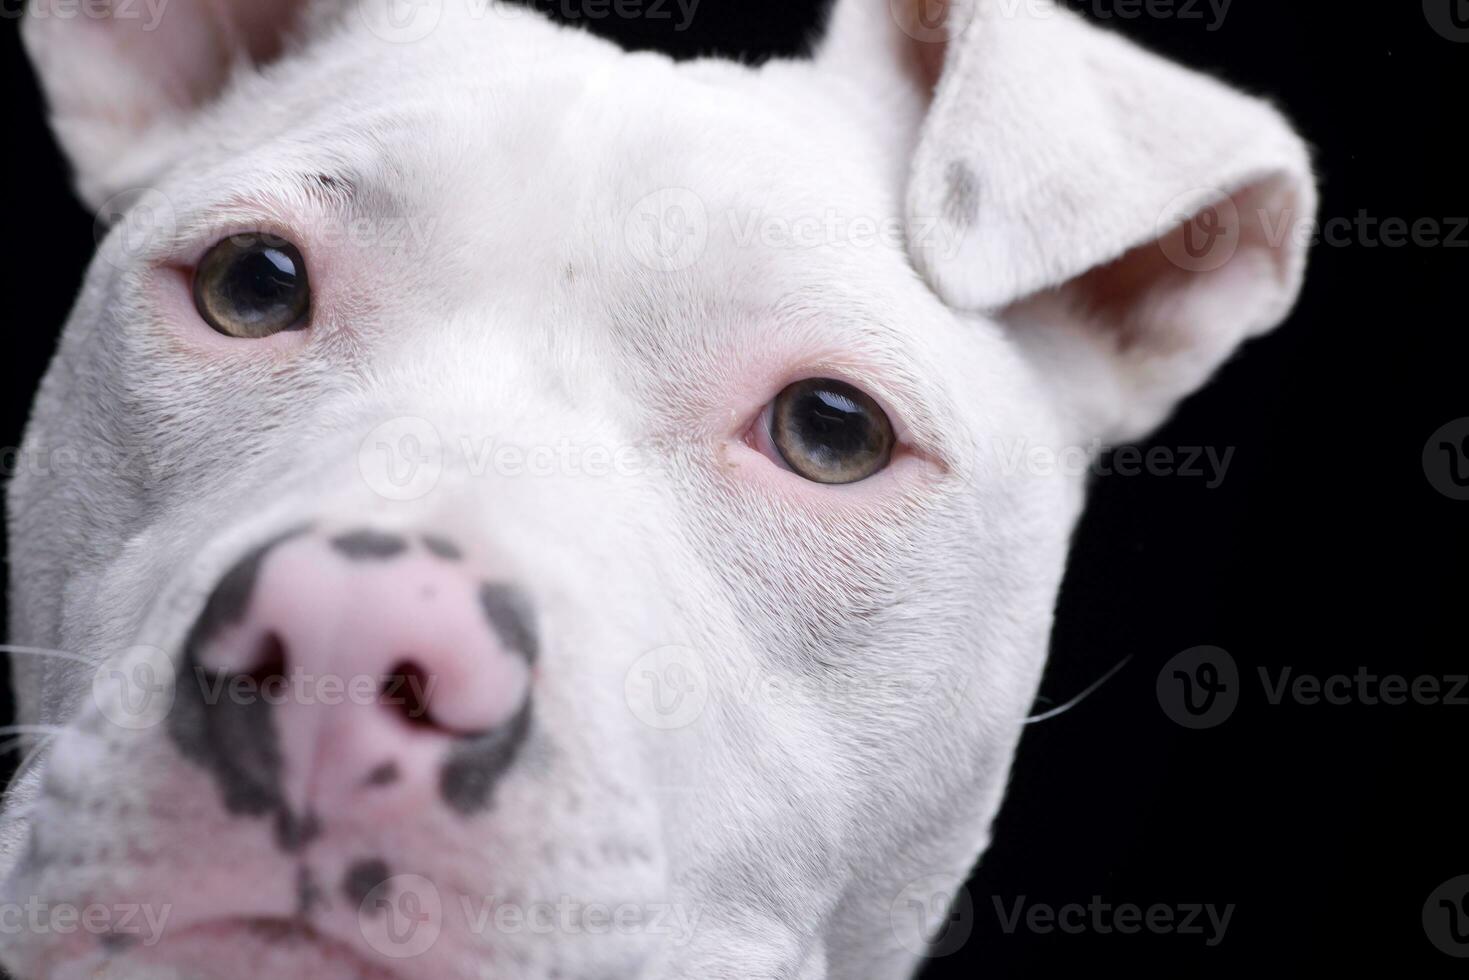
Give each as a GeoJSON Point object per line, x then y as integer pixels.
{"type": "Point", "coordinates": [261, 280]}
{"type": "Point", "coordinates": [270, 273]}
{"type": "Point", "coordinates": [830, 420]}
{"type": "Point", "coordinates": [249, 287]}
{"type": "Point", "coordinates": [830, 432]}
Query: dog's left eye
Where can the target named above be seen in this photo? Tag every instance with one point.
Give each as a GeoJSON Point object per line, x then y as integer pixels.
{"type": "Point", "coordinates": [830, 432]}
{"type": "Point", "coordinates": [253, 286]}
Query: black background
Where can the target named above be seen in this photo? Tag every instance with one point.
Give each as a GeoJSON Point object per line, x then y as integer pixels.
{"type": "Point", "coordinates": [1325, 548]}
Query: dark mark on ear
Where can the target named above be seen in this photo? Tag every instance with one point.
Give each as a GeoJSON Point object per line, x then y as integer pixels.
{"type": "Point", "coordinates": [368, 545]}
{"type": "Point", "coordinates": [509, 612]}
{"type": "Point", "coordinates": [475, 765]}
{"type": "Point", "coordinates": [361, 878]}
{"type": "Point", "coordinates": [441, 547]}
{"type": "Point", "coordinates": [961, 204]}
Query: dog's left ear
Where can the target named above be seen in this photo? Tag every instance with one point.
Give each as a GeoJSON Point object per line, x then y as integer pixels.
{"type": "Point", "coordinates": [1129, 220]}
{"type": "Point", "coordinates": [123, 81]}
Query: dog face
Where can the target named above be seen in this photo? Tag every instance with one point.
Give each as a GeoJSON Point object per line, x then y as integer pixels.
{"type": "Point", "coordinates": [519, 507]}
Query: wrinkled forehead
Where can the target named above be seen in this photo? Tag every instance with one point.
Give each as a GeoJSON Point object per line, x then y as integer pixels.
{"type": "Point", "coordinates": [524, 167]}
{"type": "Point", "coordinates": [507, 125]}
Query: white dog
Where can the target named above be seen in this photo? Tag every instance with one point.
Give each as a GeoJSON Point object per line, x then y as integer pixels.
{"type": "Point", "coordinates": [505, 507]}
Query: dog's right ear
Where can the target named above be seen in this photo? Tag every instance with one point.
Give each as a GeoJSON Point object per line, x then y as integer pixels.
{"type": "Point", "coordinates": [1128, 220]}
{"type": "Point", "coordinates": [123, 81]}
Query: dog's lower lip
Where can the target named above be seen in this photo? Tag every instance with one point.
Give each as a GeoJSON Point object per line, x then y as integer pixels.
{"type": "Point", "coordinates": [282, 929]}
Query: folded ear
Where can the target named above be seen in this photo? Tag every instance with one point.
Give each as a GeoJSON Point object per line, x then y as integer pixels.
{"type": "Point", "coordinates": [1131, 220]}
{"type": "Point", "coordinates": [123, 80]}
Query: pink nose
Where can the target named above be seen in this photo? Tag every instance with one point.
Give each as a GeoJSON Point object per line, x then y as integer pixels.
{"type": "Point", "coordinates": [361, 669]}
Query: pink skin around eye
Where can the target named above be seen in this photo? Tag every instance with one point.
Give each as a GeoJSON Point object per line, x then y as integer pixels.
{"type": "Point", "coordinates": [173, 290]}
{"type": "Point", "coordinates": [171, 285]}
{"type": "Point", "coordinates": [751, 456]}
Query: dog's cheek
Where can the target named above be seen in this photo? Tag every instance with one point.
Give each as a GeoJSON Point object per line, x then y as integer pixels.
{"type": "Point", "coordinates": [815, 567]}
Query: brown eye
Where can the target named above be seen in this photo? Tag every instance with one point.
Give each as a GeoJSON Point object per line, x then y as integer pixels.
{"type": "Point", "coordinates": [252, 286]}
{"type": "Point", "coordinates": [829, 432]}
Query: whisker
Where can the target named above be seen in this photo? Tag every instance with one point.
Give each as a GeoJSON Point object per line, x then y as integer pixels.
{"type": "Point", "coordinates": [43, 652]}
{"type": "Point", "coordinates": [27, 732]}
{"type": "Point", "coordinates": [29, 759]}
{"type": "Point", "coordinates": [7, 747]}
{"type": "Point", "coordinates": [1046, 715]}
{"type": "Point", "coordinates": [31, 729]}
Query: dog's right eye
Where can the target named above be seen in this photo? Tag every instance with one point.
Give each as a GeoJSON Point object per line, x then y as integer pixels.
{"type": "Point", "coordinates": [253, 286]}
{"type": "Point", "coordinates": [830, 432]}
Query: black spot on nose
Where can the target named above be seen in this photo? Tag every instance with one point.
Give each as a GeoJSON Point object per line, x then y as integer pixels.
{"type": "Point", "coordinates": [361, 878]}
{"type": "Point", "coordinates": [441, 547]}
{"type": "Point", "coordinates": [230, 599]}
{"type": "Point", "coordinates": [369, 545]}
{"type": "Point", "coordinates": [293, 833]}
{"type": "Point", "coordinates": [385, 774]}
{"type": "Point", "coordinates": [232, 737]}
{"type": "Point", "coordinates": [308, 892]}
{"type": "Point", "coordinates": [509, 612]}
{"type": "Point", "coordinates": [476, 763]}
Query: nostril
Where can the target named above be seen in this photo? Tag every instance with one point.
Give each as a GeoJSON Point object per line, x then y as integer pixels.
{"type": "Point", "coordinates": [269, 661]}
{"type": "Point", "coordinates": [405, 692]}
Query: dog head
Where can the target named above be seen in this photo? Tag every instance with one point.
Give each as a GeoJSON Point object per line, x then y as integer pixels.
{"type": "Point", "coordinates": [507, 506]}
